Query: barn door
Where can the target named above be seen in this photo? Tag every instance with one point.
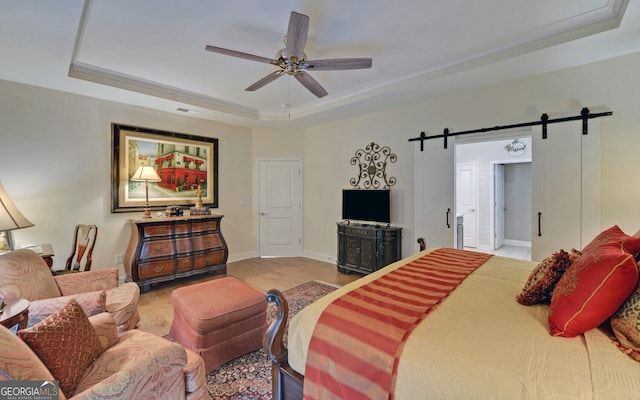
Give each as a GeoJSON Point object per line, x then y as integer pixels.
{"type": "Point", "coordinates": [434, 193]}
{"type": "Point", "coordinates": [566, 187]}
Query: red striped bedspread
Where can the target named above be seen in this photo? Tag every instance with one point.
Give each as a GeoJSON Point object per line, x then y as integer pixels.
{"type": "Point", "coordinates": [357, 343]}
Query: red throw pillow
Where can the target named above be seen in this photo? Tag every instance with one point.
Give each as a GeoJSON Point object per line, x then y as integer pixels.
{"type": "Point", "coordinates": [66, 343]}
{"type": "Point", "coordinates": [595, 285]}
{"type": "Point", "coordinates": [616, 238]}
{"type": "Point", "coordinates": [544, 277]}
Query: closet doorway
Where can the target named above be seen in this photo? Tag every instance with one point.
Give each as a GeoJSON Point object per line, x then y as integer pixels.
{"type": "Point", "coordinates": [501, 218]}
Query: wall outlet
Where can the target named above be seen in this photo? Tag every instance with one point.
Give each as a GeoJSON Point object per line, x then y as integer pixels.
{"type": "Point", "coordinates": [119, 258]}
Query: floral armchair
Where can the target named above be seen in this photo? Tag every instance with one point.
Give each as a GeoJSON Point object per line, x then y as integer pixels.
{"type": "Point", "coordinates": [24, 274]}
{"type": "Point", "coordinates": [131, 365]}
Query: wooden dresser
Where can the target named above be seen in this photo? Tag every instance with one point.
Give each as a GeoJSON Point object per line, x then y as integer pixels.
{"type": "Point", "coordinates": [166, 248]}
{"type": "Point", "coordinates": [367, 248]}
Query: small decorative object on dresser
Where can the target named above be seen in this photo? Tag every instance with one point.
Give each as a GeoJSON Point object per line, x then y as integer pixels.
{"type": "Point", "coordinates": [166, 248]}
{"type": "Point", "coordinates": [199, 208]}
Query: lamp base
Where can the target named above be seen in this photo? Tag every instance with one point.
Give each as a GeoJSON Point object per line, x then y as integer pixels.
{"type": "Point", "coordinates": [147, 213]}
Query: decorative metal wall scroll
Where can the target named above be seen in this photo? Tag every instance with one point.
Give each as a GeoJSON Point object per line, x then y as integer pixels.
{"type": "Point", "coordinates": [372, 167]}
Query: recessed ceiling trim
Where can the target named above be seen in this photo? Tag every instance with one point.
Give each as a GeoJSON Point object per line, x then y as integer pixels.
{"type": "Point", "coordinates": [115, 79]}
{"type": "Point", "coordinates": [588, 23]}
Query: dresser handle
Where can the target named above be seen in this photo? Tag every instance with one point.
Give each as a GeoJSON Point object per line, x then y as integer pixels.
{"type": "Point", "coordinates": [158, 249]}
{"type": "Point", "coordinates": [157, 269]}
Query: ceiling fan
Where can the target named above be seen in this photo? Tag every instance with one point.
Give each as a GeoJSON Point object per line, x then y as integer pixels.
{"type": "Point", "coordinates": [292, 60]}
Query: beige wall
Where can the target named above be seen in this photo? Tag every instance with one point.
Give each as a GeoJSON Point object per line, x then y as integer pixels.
{"type": "Point", "coordinates": [607, 85]}
{"type": "Point", "coordinates": [55, 154]}
{"type": "Point", "coordinates": [55, 162]}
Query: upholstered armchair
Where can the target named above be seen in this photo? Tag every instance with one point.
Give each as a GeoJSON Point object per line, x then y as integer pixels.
{"type": "Point", "coordinates": [24, 274]}
{"type": "Point", "coordinates": [132, 365]}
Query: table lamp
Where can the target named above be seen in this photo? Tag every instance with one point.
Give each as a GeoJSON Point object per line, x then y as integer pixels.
{"type": "Point", "coordinates": [10, 217]}
{"type": "Point", "coordinates": [146, 174]}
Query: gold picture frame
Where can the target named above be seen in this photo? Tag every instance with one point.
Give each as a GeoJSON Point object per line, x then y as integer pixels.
{"type": "Point", "coordinates": [185, 163]}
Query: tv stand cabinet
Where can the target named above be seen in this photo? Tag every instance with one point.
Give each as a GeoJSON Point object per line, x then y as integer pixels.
{"type": "Point", "coordinates": [367, 248]}
{"type": "Point", "coordinates": [163, 249]}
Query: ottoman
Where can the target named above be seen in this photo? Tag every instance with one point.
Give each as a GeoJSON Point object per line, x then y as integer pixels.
{"type": "Point", "coordinates": [220, 319]}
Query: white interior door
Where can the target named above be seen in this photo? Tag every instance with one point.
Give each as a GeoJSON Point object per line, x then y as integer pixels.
{"type": "Point", "coordinates": [566, 188]}
{"type": "Point", "coordinates": [499, 205]}
{"type": "Point", "coordinates": [467, 201]}
{"type": "Point", "coordinates": [434, 193]}
{"type": "Point", "coordinates": [280, 208]}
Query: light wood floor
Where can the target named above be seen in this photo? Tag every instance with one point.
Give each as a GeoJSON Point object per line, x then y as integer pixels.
{"type": "Point", "coordinates": [519, 252]}
{"type": "Point", "coordinates": [156, 311]}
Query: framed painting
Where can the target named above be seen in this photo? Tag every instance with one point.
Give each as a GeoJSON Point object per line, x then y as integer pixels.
{"type": "Point", "coordinates": [186, 165]}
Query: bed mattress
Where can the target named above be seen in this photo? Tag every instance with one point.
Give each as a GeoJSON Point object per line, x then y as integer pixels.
{"type": "Point", "coordinates": [480, 343]}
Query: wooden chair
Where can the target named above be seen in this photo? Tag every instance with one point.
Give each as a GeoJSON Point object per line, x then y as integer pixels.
{"type": "Point", "coordinates": [84, 239]}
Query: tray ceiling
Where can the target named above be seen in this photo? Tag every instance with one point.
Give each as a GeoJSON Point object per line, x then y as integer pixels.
{"type": "Point", "coordinates": [151, 53]}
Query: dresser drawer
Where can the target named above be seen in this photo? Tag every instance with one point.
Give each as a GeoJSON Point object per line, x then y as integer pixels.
{"type": "Point", "coordinates": [207, 259]}
{"type": "Point", "coordinates": [182, 228]}
{"type": "Point", "coordinates": [184, 263]}
{"type": "Point", "coordinates": [156, 248]}
{"type": "Point", "coordinates": [152, 231]}
{"type": "Point", "coordinates": [203, 226]}
{"type": "Point", "coordinates": [155, 268]}
{"type": "Point", "coordinates": [360, 231]}
{"type": "Point", "coordinates": [207, 241]}
{"type": "Point", "coordinates": [183, 245]}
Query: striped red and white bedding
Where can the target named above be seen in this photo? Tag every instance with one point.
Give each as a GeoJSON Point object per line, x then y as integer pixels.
{"type": "Point", "coordinates": [480, 343]}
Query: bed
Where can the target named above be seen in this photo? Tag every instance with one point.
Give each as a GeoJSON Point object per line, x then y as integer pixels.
{"type": "Point", "coordinates": [477, 343]}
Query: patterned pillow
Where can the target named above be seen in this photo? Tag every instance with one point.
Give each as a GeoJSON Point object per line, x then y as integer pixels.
{"type": "Point", "coordinates": [66, 343]}
{"type": "Point", "coordinates": [545, 276]}
{"type": "Point", "coordinates": [615, 237]}
{"type": "Point", "coordinates": [595, 285]}
{"type": "Point", "coordinates": [625, 324]}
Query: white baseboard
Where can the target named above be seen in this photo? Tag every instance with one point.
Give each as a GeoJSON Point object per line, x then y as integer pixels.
{"type": "Point", "coordinates": [319, 257]}
{"type": "Point", "coordinates": [521, 243]}
{"type": "Point", "coordinates": [242, 256]}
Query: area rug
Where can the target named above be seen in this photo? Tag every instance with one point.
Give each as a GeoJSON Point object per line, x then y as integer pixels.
{"type": "Point", "coordinates": [249, 377]}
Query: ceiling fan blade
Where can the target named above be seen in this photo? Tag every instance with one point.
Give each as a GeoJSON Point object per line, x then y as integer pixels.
{"type": "Point", "coordinates": [296, 35]}
{"type": "Point", "coordinates": [239, 54]}
{"type": "Point", "coordinates": [267, 79]}
{"type": "Point", "coordinates": [333, 64]}
{"type": "Point", "coordinates": [310, 83]}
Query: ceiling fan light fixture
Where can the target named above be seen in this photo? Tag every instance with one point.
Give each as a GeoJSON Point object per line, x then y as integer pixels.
{"type": "Point", "coordinates": [293, 61]}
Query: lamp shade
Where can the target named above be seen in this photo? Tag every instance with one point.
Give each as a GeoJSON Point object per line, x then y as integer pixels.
{"type": "Point", "coordinates": [145, 174]}
{"type": "Point", "coordinates": [10, 217]}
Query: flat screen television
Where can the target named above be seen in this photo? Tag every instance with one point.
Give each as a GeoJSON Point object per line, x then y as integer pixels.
{"type": "Point", "coordinates": [372, 205]}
